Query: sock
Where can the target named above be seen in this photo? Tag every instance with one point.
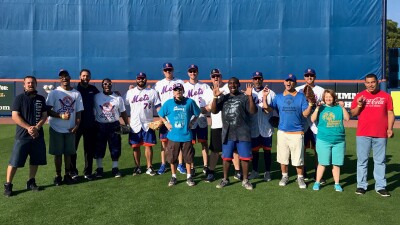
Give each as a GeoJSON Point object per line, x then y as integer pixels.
{"type": "Point", "coordinates": [267, 160]}
{"type": "Point", "coordinates": [188, 176]}
{"type": "Point", "coordinates": [284, 174]}
{"type": "Point", "coordinates": [115, 164]}
{"type": "Point", "coordinates": [174, 175]}
{"type": "Point", "coordinates": [256, 156]}
{"type": "Point", "coordinates": [99, 163]}
{"type": "Point", "coordinates": [299, 176]}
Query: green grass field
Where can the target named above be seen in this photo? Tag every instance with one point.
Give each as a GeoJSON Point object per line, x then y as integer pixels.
{"type": "Point", "coordinates": [148, 200]}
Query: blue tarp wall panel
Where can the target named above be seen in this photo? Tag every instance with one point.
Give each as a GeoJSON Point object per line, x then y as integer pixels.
{"type": "Point", "coordinates": [341, 39]}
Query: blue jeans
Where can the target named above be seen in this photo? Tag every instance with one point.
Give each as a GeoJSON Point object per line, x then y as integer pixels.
{"type": "Point", "coordinates": [364, 146]}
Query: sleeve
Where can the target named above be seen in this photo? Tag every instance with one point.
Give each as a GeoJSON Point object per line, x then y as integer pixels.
{"type": "Point", "coordinates": [196, 109]}
{"type": "Point", "coordinates": [126, 98]}
{"type": "Point", "coordinates": [79, 103]}
{"type": "Point", "coordinates": [208, 95]}
{"type": "Point", "coordinates": [50, 99]}
{"type": "Point", "coordinates": [220, 102]}
{"type": "Point", "coordinates": [16, 106]}
{"type": "Point", "coordinates": [162, 111]}
{"type": "Point", "coordinates": [157, 101]}
{"type": "Point", "coordinates": [389, 103]}
{"type": "Point", "coordinates": [121, 104]}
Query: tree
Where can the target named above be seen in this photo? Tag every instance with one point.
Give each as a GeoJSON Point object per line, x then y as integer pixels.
{"type": "Point", "coordinates": [392, 34]}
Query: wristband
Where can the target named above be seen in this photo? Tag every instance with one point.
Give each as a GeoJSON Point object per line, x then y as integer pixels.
{"type": "Point", "coordinates": [62, 116]}
{"type": "Point", "coordinates": [215, 97]}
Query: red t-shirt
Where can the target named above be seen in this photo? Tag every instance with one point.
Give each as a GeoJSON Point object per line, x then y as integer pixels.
{"type": "Point", "coordinates": [373, 119]}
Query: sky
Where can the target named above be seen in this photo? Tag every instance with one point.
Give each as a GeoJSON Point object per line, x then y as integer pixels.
{"type": "Point", "coordinates": [393, 10]}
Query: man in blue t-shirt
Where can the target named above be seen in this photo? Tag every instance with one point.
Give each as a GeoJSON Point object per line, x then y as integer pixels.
{"type": "Point", "coordinates": [292, 107]}
{"type": "Point", "coordinates": [29, 112]}
{"type": "Point", "coordinates": [178, 114]}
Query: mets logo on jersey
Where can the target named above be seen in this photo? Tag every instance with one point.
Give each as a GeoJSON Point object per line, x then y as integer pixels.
{"type": "Point", "coordinates": [67, 104]}
{"type": "Point", "coordinates": [107, 111]}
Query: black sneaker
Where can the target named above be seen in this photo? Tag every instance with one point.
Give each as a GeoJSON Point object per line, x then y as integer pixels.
{"type": "Point", "coordinates": [193, 172]}
{"type": "Point", "coordinates": [98, 173]}
{"type": "Point", "coordinates": [89, 177]}
{"type": "Point", "coordinates": [115, 172]}
{"type": "Point", "coordinates": [68, 179]}
{"type": "Point", "coordinates": [210, 178]}
{"type": "Point", "coordinates": [31, 185]}
{"type": "Point", "coordinates": [383, 193]}
{"type": "Point", "coordinates": [57, 180]}
{"type": "Point", "coordinates": [238, 176]}
{"type": "Point", "coordinates": [74, 174]}
{"type": "Point", "coordinates": [205, 170]}
{"type": "Point", "coordinates": [190, 182]}
{"type": "Point", "coordinates": [360, 191]}
{"type": "Point", "coordinates": [137, 171]}
{"type": "Point", "coordinates": [8, 189]}
{"type": "Point", "coordinates": [172, 182]}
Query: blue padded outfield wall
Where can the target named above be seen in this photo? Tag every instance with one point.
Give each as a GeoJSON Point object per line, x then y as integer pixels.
{"type": "Point", "coordinates": [341, 39]}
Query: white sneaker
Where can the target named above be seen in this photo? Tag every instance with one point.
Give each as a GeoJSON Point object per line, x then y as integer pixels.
{"type": "Point", "coordinates": [284, 181]}
{"type": "Point", "coordinates": [267, 176]}
{"type": "Point", "coordinates": [302, 184]}
{"type": "Point", "coordinates": [253, 175]}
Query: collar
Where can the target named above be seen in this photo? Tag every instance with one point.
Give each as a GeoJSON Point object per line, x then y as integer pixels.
{"type": "Point", "coordinates": [290, 93]}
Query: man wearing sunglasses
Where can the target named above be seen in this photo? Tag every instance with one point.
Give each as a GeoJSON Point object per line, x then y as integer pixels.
{"type": "Point", "coordinates": [178, 115]}
{"type": "Point", "coordinates": [216, 129]}
{"type": "Point", "coordinates": [196, 90]}
{"type": "Point", "coordinates": [310, 129]}
{"type": "Point", "coordinates": [164, 89]}
{"type": "Point", "coordinates": [261, 129]}
{"type": "Point", "coordinates": [64, 106]}
{"type": "Point", "coordinates": [108, 108]}
{"type": "Point", "coordinates": [142, 102]}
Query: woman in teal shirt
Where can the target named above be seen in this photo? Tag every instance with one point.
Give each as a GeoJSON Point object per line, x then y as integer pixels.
{"type": "Point", "coordinates": [331, 144]}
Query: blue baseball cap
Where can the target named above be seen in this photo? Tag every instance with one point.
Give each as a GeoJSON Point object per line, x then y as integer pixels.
{"type": "Point", "coordinates": [168, 66]}
{"type": "Point", "coordinates": [291, 77]}
{"type": "Point", "coordinates": [257, 74]}
{"type": "Point", "coordinates": [309, 71]}
{"type": "Point", "coordinates": [193, 67]}
{"type": "Point", "coordinates": [63, 72]}
{"type": "Point", "coordinates": [141, 75]}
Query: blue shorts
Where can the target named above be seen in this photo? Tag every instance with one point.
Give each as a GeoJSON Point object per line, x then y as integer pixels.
{"type": "Point", "coordinates": [261, 142]}
{"type": "Point", "coordinates": [330, 153]}
{"type": "Point", "coordinates": [243, 148]}
{"type": "Point", "coordinates": [145, 138]}
{"type": "Point", "coordinates": [106, 134]}
{"type": "Point", "coordinates": [200, 133]}
{"type": "Point", "coordinates": [35, 148]}
{"type": "Point", "coordinates": [163, 133]}
{"type": "Point", "coordinates": [309, 139]}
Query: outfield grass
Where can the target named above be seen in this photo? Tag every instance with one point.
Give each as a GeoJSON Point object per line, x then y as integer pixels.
{"type": "Point", "coordinates": [147, 200]}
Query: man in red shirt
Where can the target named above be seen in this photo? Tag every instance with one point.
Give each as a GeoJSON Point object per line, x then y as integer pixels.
{"type": "Point", "coordinates": [374, 109]}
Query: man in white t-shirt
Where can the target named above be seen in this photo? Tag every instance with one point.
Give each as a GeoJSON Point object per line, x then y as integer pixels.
{"type": "Point", "coordinates": [310, 129]}
{"type": "Point", "coordinates": [64, 108]}
{"type": "Point", "coordinates": [196, 90]}
{"type": "Point", "coordinates": [142, 102]}
{"type": "Point", "coordinates": [165, 92]}
{"type": "Point", "coordinates": [108, 108]}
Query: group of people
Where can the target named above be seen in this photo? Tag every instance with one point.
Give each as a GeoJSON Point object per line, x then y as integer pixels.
{"type": "Point", "coordinates": [242, 122]}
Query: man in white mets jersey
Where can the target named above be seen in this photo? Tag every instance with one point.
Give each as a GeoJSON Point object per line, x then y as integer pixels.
{"type": "Point", "coordinates": [165, 92]}
{"type": "Point", "coordinates": [108, 107]}
{"type": "Point", "coordinates": [196, 90]}
{"type": "Point", "coordinates": [142, 102]}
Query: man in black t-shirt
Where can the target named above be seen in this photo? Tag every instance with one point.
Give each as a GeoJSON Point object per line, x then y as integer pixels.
{"type": "Point", "coordinates": [87, 127]}
{"type": "Point", "coordinates": [236, 109]}
{"type": "Point", "coordinates": [29, 113]}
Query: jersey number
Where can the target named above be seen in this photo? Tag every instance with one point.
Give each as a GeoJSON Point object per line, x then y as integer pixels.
{"type": "Point", "coordinates": [147, 105]}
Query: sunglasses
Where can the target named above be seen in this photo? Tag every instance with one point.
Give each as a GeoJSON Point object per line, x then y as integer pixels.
{"type": "Point", "coordinates": [309, 75]}
{"type": "Point", "coordinates": [257, 78]}
{"type": "Point", "coordinates": [214, 76]}
{"type": "Point", "coordinates": [140, 78]}
{"type": "Point", "coordinates": [107, 84]}
{"type": "Point", "coordinates": [177, 89]}
{"type": "Point", "coordinates": [168, 70]}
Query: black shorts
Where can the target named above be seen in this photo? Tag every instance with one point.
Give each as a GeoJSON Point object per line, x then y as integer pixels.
{"type": "Point", "coordinates": [35, 148]}
{"type": "Point", "coordinates": [174, 148]}
{"type": "Point", "coordinates": [216, 140]}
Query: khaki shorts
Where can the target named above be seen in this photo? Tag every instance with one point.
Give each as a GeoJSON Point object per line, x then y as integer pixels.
{"type": "Point", "coordinates": [61, 143]}
{"type": "Point", "coordinates": [290, 145]}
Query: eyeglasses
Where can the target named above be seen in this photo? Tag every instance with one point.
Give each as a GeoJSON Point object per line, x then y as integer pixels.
{"type": "Point", "coordinates": [107, 84]}
{"type": "Point", "coordinates": [309, 75]}
{"type": "Point", "coordinates": [168, 70]}
{"type": "Point", "coordinates": [214, 76]}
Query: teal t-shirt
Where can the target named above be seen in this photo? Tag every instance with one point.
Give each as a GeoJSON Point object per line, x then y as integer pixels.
{"type": "Point", "coordinates": [179, 115]}
{"type": "Point", "coordinates": [330, 124]}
